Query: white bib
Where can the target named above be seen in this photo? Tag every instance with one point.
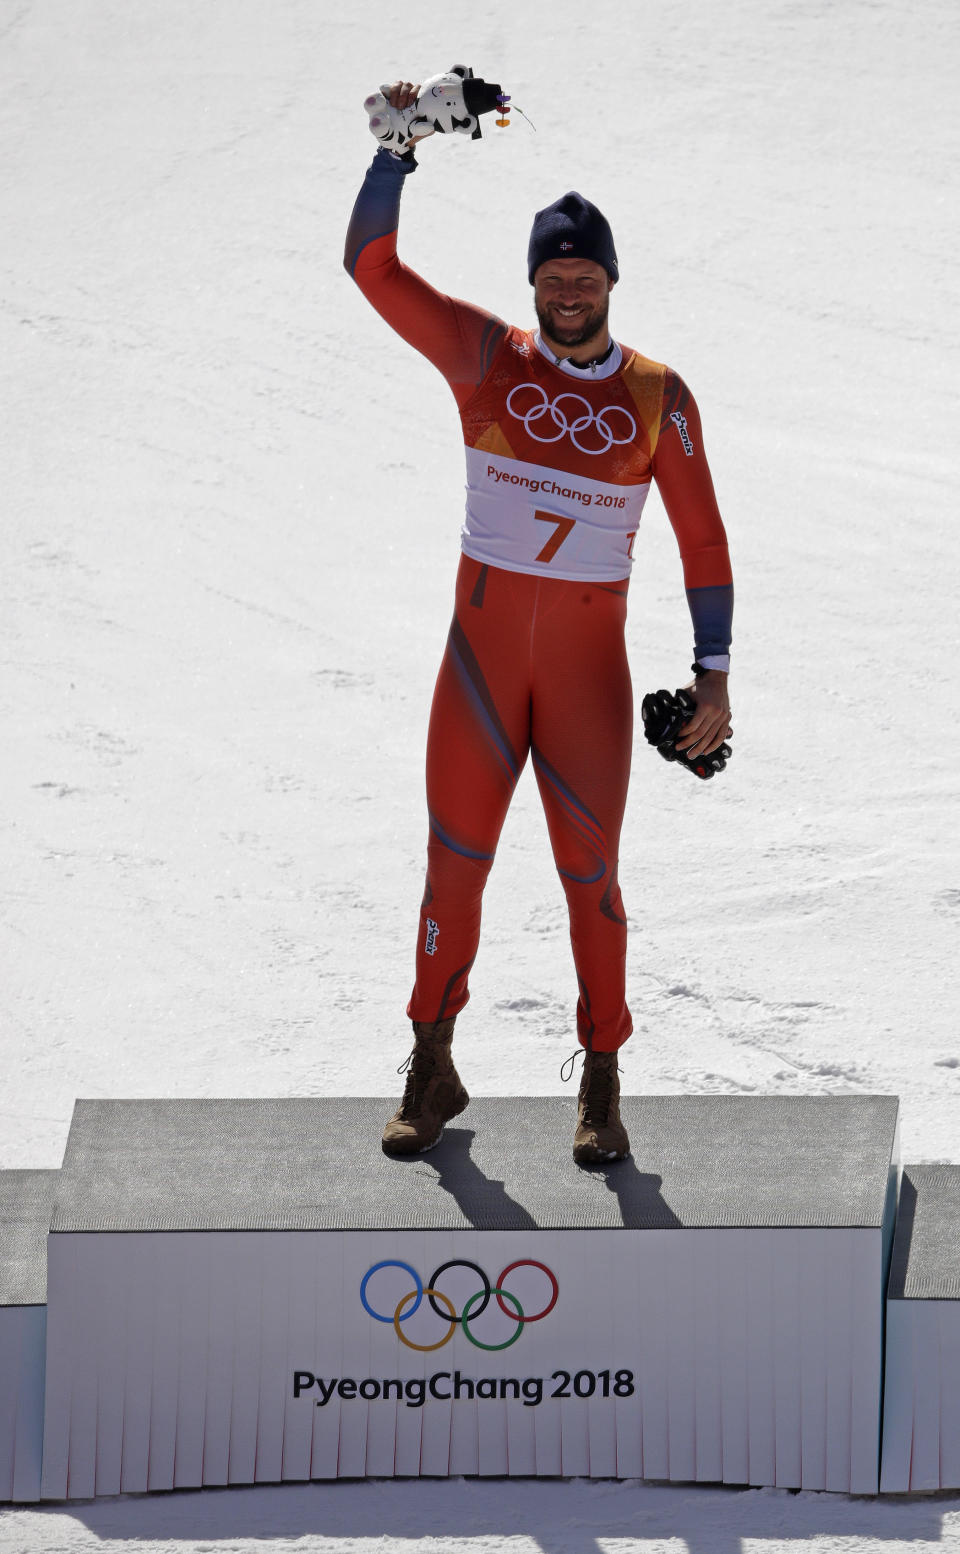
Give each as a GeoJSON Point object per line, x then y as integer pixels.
{"type": "Point", "coordinates": [529, 518]}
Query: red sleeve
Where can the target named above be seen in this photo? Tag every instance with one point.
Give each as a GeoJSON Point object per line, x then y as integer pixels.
{"type": "Point", "coordinates": [458, 338]}
{"type": "Point", "coordinates": [682, 474]}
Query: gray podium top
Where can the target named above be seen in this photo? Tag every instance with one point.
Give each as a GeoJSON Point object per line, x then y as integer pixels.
{"type": "Point", "coordinates": [505, 1164]}
{"type": "Point", "coordinates": [926, 1248]}
{"type": "Point", "coordinates": [26, 1203]}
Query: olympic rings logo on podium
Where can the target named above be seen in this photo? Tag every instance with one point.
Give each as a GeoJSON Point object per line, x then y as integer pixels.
{"type": "Point", "coordinates": [474, 1307]}
{"type": "Point", "coordinates": [549, 411]}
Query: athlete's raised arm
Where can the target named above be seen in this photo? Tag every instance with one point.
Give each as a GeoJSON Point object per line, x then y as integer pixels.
{"type": "Point", "coordinates": [460, 339]}
{"type": "Point", "coordinates": [682, 474]}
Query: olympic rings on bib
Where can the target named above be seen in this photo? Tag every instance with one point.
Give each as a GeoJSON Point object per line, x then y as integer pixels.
{"type": "Point", "coordinates": [553, 416]}
{"type": "Point", "coordinates": [473, 1308]}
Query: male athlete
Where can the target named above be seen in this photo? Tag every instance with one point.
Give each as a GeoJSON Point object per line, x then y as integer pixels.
{"type": "Point", "coordinates": [564, 429]}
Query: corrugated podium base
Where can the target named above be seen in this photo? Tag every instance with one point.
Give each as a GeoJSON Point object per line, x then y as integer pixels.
{"type": "Point", "coordinates": [26, 1202]}
{"type": "Point", "coordinates": [249, 1291]}
{"type": "Point", "coordinates": [921, 1422]}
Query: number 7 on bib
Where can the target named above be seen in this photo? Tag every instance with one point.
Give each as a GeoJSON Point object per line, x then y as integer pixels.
{"type": "Point", "coordinates": [562, 531]}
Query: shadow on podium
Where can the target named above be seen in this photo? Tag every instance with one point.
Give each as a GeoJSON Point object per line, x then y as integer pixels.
{"type": "Point", "coordinates": [482, 1199]}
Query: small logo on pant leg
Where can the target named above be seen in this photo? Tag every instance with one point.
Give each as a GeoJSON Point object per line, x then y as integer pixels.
{"type": "Point", "coordinates": [433, 930]}
{"type": "Point", "coordinates": [680, 422]}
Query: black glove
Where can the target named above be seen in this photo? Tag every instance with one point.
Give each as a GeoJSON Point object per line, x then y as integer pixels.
{"type": "Point", "coordinates": [664, 714]}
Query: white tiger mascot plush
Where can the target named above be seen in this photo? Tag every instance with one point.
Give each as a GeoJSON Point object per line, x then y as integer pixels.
{"type": "Point", "coordinates": [446, 105]}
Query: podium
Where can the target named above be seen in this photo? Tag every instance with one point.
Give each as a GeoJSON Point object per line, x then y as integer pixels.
{"type": "Point", "coordinates": [921, 1424]}
{"type": "Point", "coordinates": [26, 1201]}
{"type": "Point", "coordinates": [245, 1291]}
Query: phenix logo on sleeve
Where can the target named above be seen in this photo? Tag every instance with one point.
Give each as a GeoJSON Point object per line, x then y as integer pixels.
{"type": "Point", "coordinates": [680, 422]}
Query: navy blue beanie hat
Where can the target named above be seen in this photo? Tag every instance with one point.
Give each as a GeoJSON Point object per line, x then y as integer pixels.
{"type": "Point", "coordinates": [571, 228]}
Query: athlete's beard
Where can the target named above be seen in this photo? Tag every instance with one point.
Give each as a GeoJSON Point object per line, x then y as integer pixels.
{"type": "Point", "coordinates": [571, 332]}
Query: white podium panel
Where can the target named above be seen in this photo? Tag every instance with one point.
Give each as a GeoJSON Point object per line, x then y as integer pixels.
{"type": "Point", "coordinates": [228, 1303]}
{"type": "Point", "coordinates": [921, 1411]}
{"type": "Point", "coordinates": [26, 1201]}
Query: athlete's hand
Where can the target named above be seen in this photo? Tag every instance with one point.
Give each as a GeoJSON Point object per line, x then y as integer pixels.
{"type": "Point", "coordinates": [710, 724]}
{"type": "Point", "coordinates": [400, 95]}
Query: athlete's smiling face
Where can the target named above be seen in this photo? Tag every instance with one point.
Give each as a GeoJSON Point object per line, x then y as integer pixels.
{"type": "Point", "coordinates": [571, 297]}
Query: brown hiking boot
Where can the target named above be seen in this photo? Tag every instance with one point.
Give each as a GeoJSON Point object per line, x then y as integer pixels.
{"type": "Point", "coordinates": [433, 1093]}
{"type": "Point", "coordinates": [600, 1134]}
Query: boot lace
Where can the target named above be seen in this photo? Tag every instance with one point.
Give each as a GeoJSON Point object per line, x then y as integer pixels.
{"type": "Point", "coordinates": [569, 1064]}
{"type": "Point", "coordinates": [599, 1095]}
{"type": "Point", "coordinates": [419, 1067]}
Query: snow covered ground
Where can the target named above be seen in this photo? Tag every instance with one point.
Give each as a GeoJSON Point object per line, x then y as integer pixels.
{"type": "Point", "coordinates": [229, 517]}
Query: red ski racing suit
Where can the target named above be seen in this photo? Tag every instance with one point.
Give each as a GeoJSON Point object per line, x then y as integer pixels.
{"type": "Point", "coordinates": [559, 464]}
